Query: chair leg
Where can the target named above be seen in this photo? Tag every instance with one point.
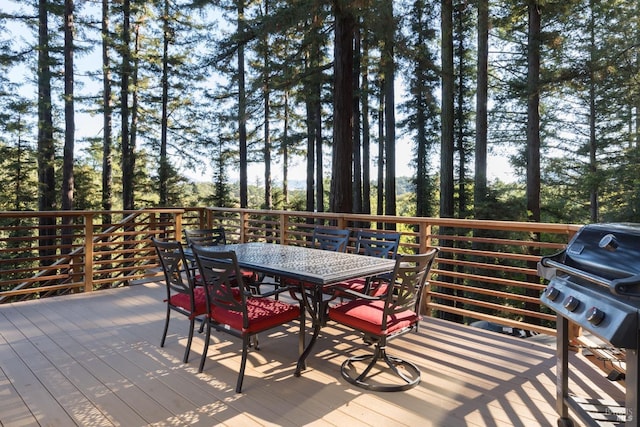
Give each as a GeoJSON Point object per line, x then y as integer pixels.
{"type": "Point", "coordinates": [246, 340]}
{"type": "Point", "coordinates": [188, 348]}
{"type": "Point", "coordinates": [203, 358]}
{"type": "Point", "coordinates": [166, 327]}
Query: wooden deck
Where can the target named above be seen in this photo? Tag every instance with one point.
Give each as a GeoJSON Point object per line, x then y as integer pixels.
{"type": "Point", "coordinates": [94, 360]}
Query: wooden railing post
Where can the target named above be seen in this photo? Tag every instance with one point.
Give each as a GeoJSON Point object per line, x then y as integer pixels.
{"type": "Point", "coordinates": [244, 223]}
{"type": "Point", "coordinates": [284, 228]}
{"type": "Point", "coordinates": [88, 251]}
{"type": "Point", "coordinates": [178, 226]}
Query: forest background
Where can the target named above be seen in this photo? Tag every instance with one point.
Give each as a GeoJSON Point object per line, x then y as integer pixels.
{"type": "Point", "coordinates": [124, 104]}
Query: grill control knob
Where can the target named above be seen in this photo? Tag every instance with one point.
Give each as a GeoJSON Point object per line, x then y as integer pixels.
{"type": "Point", "coordinates": [571, 303]}
{"type": "Point", "coordinates": [609, 242]}
{"type": "Point", "coordinates": [595, 316]}
{"type": "Point", "coordinates": [552, 293]}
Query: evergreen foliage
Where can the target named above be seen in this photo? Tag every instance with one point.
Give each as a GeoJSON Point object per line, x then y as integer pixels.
{"type": "Point", "coordinates": [182, 111]}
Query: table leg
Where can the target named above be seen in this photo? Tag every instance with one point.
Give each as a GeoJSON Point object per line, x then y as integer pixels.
{"type": "Point", "coordinates": [316, 309]}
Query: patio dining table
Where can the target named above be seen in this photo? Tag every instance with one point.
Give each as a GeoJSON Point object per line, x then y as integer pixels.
{"type": "Point", "coordinates": [317, 267]}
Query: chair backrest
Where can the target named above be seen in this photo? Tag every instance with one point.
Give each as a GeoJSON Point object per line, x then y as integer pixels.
{"type": "Point", "coordinates": [377, 243]}
{"type": "Point", "coordinates": [330, 239]}
{"type": "Point", "coordinates": [206, 237]}
{"type": "Point", "coordinates": [220, 270]}
{"type": "Point", "coordinates": [178, 277]}
{"type": "Point", "coordinates": [409, 277]}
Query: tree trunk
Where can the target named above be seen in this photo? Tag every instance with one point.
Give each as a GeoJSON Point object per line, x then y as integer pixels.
{"type": "Point", "coordinates": [533, 141]}
{"type": "Point", "coordinates": [46, 149]}
{"type": "Point", "coordinates": [107, 171]}
{"type": "Point", "coordinates": [242, 113]}
{"type": "Point", "coordinates": [69, 134]}
{"type": "Point", "coordinates": [285, 151]}
{"type": "Point", "coordinates": [533, 114]}
{"type": "Point", "coordinates": [341, 198]}
{"type": "Point", "coordinates": [447, 146]}
{"type": "Point", "coordinates": [388, 65]}
{"type": "Point", "coordinates": [163, 171]}
{"type": "Point", "coordinates": [380, 196]}
{"type": "Point", "coordinates": [266, 89]}
{"type": "Point", "coordinates": [480, 187]}
{"type": "Point", "coordinates": [366, 136]}
{"type": "Point", "coordinates": [133, 131]}
{"type": "Point", "coordinates": [69, 120]}
{"type": "Point", "coordinates": [357, 154]}
{"type": "Point", "coordinates": [593, 143]}
{"type": "Point", "coordinates": [127, 173]}
{"type": "Point", "coordinates": [311, 145]}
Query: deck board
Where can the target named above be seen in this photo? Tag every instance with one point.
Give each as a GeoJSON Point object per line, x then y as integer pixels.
{"type": "Point", "coordinates": [94, 359]}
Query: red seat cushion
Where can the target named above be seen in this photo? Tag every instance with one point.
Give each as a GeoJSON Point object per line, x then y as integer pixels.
{"type": "Point", "coordinates": [366, 316]}
{"type": "Point", "coordinates": [264, 313]}
{"type": "Point", "coordinates": [358, 285]}
{"type": "Point", "coordinates": [354, 284]}
{"type": "Point", "coordinates": [184, 301]}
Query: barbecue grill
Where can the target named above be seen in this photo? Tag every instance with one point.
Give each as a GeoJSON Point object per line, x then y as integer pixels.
{"type": "Point", "coordinates": [595, 284]}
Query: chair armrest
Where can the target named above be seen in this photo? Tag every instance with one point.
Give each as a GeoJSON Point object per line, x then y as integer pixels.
{"type": "Point", "coordinates": [276, 291]}
{"type": "Point", "coordinates": [337, 292]}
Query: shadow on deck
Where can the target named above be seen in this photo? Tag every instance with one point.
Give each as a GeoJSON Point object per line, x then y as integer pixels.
{"type": "Point", "coordinates": [93, 359]}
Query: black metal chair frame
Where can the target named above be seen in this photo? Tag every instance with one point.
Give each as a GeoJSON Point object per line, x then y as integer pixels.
{"type": "Point", "coordinates": [402, 299]}
{"type": "Point", "coordinates": [179, 279]}
{"type": "Point", "coordinates": [218, 270]}
{"type": "Point", "coordinates": [206, 236]}
{"type": "Point", "coordinates": [330, 239]}
{"type": "Point", "coordinates": [214, 237]}
{"type": "Point", "coordinates": [380, 244]}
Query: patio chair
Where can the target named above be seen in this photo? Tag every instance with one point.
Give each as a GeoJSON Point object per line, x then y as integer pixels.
{"type": "Point", "coordinates": [183, 296]}
{"type": "Point", "coordinates": [214, 237]}
{"type": "Point", "coordinates": [242, 314]}
{"type": "Point", "coordinates": [206, 236]}
{"type": "Point", "coordinates": [382, 318]}
{"type": "Point", "coordinates": [379, 244]}
{"type": "Point", "coordinates": [327, 239]}
{"type": "Point", "coordinates": [330, 239]}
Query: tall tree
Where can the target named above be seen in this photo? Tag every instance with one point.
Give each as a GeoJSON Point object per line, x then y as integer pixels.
{"type": "Point", "coordinates": [357, 147]}
{"type": "Point", "coordinates": [69, 110]}
{"type": "Point", "coordinates": [69, 119]}
{"type": "Point", "coordinates": [447, 136]}
{"type": "Point", "coordinates": [46, 146]}
{"type": "Point", "coordinates": [533, 112]}
{"type": "Point", "coordinates": [341, 198]}
{"type": "Point", "coordinates": [107, 110]}
{"type": "Point", "coordinates": [125, 137]}
{"type": "Point", "coordinates": [242, 107]}
{"type": "Point", "coordinates": [388, 69]}
{"type": "Point", "coordinates": [482, 82]}
{"type": "Point", "coordinates": [266, 93]}
{"type": "Point", "coordinates": [421, 110]}
{"type": "Point", "coordinates": [163, 172]}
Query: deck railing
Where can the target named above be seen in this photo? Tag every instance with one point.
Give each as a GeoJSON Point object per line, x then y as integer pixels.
{"type": "Point", "coordinates": [486, 270]}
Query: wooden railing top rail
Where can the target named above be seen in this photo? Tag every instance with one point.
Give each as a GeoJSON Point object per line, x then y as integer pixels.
{"type": "Point", "coordinates": [540, 227]}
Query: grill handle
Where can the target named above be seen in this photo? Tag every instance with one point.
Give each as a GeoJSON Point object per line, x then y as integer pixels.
{"type": "Point", "coordinates": [547, 262]}
{"type": "Point", "coordinates": [627, 286]}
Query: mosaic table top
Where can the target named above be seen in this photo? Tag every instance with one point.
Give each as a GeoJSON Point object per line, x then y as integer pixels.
{"type": "Point", "coordinates": [311, 265]}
